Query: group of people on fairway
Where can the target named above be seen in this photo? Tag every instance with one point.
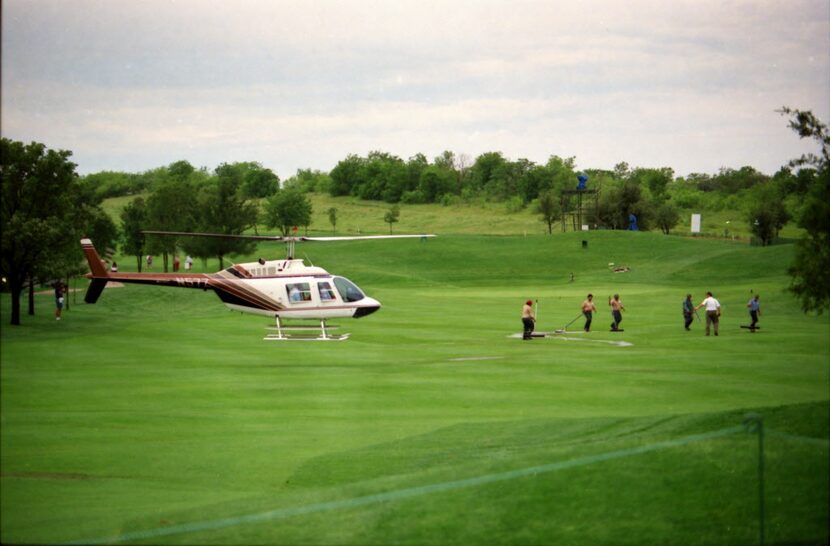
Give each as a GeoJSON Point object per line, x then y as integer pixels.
{"type": "Point", "coordinates": [712, 308]}
{"type": "Point", "coordinates": [710, 304]}
{"type": "Point", "coordinates": [588, 310]}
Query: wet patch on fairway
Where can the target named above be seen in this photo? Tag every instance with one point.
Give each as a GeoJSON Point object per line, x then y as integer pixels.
{"type": "Point", "coordinates": [616, 343]}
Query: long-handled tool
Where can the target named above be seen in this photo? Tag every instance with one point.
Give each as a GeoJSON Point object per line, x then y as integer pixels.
{"type": "Point", "coordinates": [562, 330]}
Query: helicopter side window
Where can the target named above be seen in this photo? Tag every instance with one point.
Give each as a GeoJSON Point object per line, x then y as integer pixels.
{"type": "Point", "coordinates": [326, 292]}
{"type": "Point", "coordinates": [348, 290]}
{"type": "Point", "coordinates": [298, 292]}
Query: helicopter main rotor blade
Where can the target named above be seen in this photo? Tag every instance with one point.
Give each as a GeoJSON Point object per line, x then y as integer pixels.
{"type": "Point", "coordinates": [278, 238]}
{"type": "Point", "coordinates": [360, 237]}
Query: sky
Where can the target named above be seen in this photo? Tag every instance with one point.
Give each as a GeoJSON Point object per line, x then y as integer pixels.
{"type": "Point", "coordinates": [692, 85]}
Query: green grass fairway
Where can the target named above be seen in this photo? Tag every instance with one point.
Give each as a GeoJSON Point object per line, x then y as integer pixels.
{"type": "Point", "coordinates": [159, 417]}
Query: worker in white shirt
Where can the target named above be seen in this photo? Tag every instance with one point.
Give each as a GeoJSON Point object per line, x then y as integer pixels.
{"type": "Point", "coordinates": [712, 311]}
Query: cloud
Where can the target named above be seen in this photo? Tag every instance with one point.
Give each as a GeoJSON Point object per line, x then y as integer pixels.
{"type": "Point", "coordinates": [692, 85]}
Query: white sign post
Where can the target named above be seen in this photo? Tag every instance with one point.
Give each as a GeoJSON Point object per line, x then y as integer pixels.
{"type": "Point", "coordinates": [695, 223]}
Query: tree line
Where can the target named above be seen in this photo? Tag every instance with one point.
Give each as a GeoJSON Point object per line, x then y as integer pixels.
{"type": "Point", "coordinates": [654, 195]}
{"type": "Point", "coordinates": [47, 207]}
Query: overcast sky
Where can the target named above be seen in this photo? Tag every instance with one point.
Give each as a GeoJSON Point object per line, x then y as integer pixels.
{"type": "Point", "coordinates": [134, 85]}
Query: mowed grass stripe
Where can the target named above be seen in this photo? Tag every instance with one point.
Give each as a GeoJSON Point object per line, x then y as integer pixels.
{"type": "Point", "coordinates": [400, 494]}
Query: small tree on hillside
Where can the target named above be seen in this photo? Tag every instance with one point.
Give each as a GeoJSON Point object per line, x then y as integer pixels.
{"type": "Point", "coordinates": [287, 209]}
{"type": "Point", "coordinates": [766, 217]}
{"type": "Point", "coordinates": [333, 219]}
{"type": "Point", "coordinates": [550, 209]}
{"type": "Point", "coordinates": [667, 217]}
{"type": "Point", "coordinates": [392, 216]}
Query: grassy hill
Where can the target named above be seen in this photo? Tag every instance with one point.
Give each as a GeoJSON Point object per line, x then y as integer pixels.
{"type": "Point", "coordinates": [359, 216]}
{"type": "Point", "coordinates": [158, 417]}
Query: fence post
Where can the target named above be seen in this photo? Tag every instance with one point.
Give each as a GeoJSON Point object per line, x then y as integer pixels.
{"type": "Point", "coordinates": [754, 422]}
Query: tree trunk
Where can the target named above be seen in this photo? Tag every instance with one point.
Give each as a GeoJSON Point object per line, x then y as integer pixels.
{"type": "Point", "coordinates": [16, 289]}
{"type": "Point", "coordinates": [66, 294]}
{"type": "Point", "coordinates": [138, 262]}
{"type": "Point", "coordinates": [31, 296]}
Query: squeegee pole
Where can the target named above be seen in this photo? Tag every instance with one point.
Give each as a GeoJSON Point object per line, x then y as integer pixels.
{"type": "Point", "coordinates": [574, 320]}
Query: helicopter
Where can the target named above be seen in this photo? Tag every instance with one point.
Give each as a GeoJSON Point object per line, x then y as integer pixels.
{"type": "Point", "coordinates": [284, 289]}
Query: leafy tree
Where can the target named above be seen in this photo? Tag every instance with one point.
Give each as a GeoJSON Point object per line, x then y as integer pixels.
{"type": "Point", "coordinates": [550, 208]}
{"type": "Point", "coordinates": [656, 180]}
{"type": "Point", "coordinates": [666, 217]}
{"type": "Point", "coordinates": [810, 270]}
{"type": "Point", "coordinates": [97, 225]}
{"type": "Point", "coordinates": [620, 200]}
{"type": "Point", "coordinates": [257, 181]}
{"type": "Point", "coordinates": [106, 184]}
{"type": "Point", "coordinates": [307, 180]}
{"type": "Point", "coordinates": [392, 216]}
{"type": "Point", "coordinates": [415, 167]}
{"type": "Point", "coordinates": [171, 207]}
{"type": "Point", "coordinates": [766, 218]}
{"type": "Point", "coordinates": [181, 170]}
{"type": "Point", "coordinates": [729, 181]}
{"type": "Point", "coordinates": [766, 213]}
{"type": "Point", "coordinates": [222, 209]}
{"type": "Point", "coordinates": [486, 170]}
{"type": "Point", "coordinates": [434, 182]}
{"type": "Point", "coordinates": [286, 210]}
{"type": "Point", "coordinates": [346, 175]}
{"type": "Point", "coordinates": [133, 221]}
{"type": "Point", "coordinates": [382, 177]}
{"type": "Point", "coordinates": [36, 220]}
{"type": "Point", "coordinates": [684, 194]}
{"type": "Point", "coordinates": [622, 171]}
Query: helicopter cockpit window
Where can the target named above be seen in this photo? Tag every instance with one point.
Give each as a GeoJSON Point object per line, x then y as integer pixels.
{"type": "Point", "coordinates": [298, 292]}
{"type": "Point", "coordinates": [326, 292]}
{"type": "Point", "coordinates": [348, 290]}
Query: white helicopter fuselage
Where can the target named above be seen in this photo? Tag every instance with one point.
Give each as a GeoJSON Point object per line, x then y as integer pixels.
{"type": "Point", "coordinates": [290, 289]}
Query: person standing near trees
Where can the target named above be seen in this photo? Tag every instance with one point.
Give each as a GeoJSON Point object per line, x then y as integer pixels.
{"type": "Point", "coordinates": [528, 319]}
{"type": "Point", "coordinates": [712, 311]}
{"type": "Point", "coordinates": [58, 299]}
{"type": "Point", "coordinates": [588, 309]}
{"type": "Point", "coordinates": [616, 311]}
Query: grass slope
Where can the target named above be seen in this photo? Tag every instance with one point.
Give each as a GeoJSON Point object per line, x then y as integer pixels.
{"type": "Point", "coordinates": [158, 408]}
{"type": "Point", "coordinates": [358, 216]}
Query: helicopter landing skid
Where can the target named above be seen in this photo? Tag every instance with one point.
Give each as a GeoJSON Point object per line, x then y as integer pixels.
{"type": "Point", "coordinates": [283, 333]}
{"type": "Point", "coordinates": [305, 337]}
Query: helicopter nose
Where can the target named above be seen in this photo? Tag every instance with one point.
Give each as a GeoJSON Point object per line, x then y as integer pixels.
{"type": "Point", "coordinates": [367, 307]}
